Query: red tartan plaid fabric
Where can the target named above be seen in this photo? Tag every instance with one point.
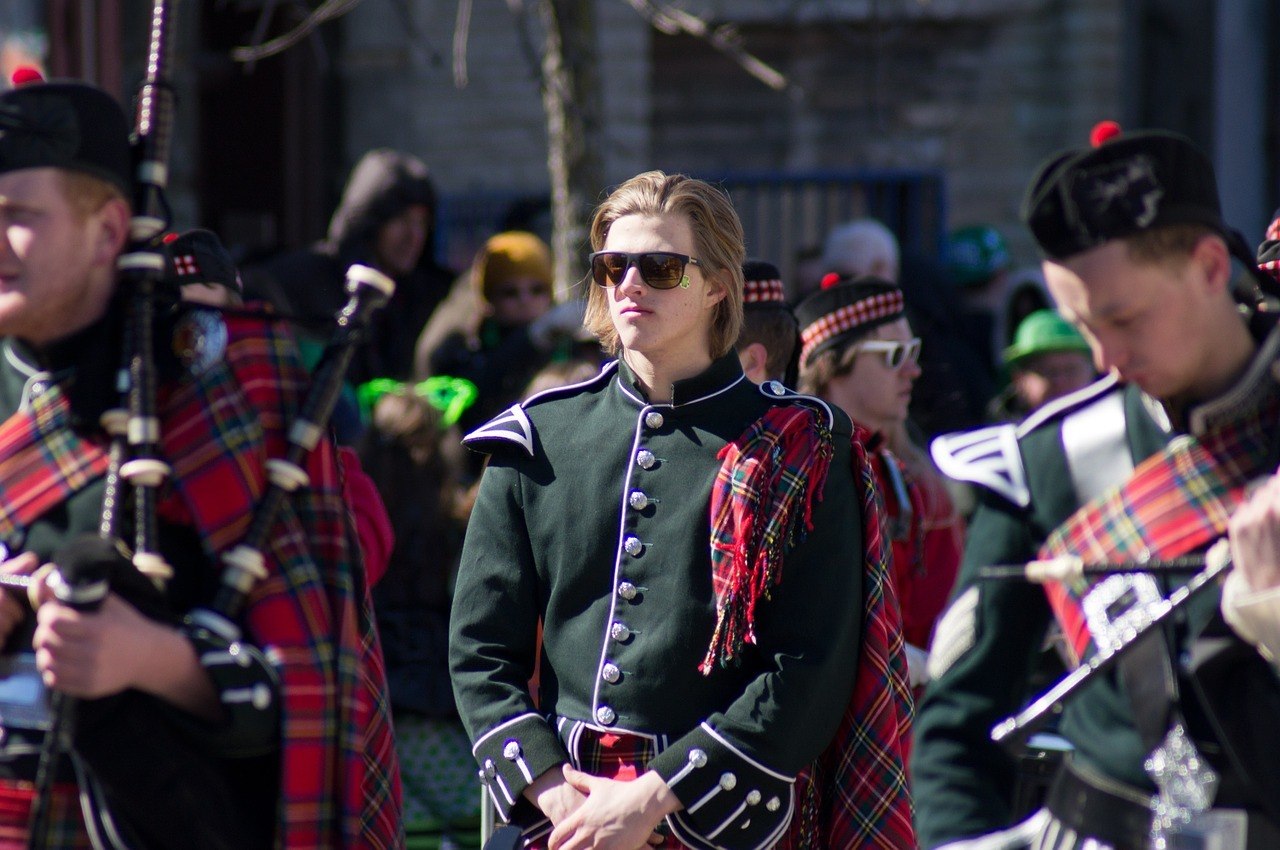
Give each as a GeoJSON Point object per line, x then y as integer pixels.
{"type": "Point", "coordinates": [1174, 503]}
{"type": "Point", "coordinates": [312, 615]}
{"type": "Point", "coordinates": [44, 461]}
{"type": "Point", "coordinates": [615, 756]}
{"type": "Point", "coordinates": [761, 505]}
{"type": "Point", "coordinates": [66, 823]}
{"type": "Point", "coordinates": [855, 795]}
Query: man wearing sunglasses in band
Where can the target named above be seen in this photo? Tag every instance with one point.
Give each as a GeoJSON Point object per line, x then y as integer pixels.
{"type": "Point", "coordinates": [858, 353]}
{"type": "Point", "coordinates": [690, 542]}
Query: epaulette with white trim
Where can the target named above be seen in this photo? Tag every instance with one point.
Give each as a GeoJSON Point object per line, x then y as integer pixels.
{"type": "Point", "coordinates": [778, 391]}
{"type": "Point", "coordinates": [513, 426]}
{"type": "Point", "coordinates": [990, 456]}
{"type": "Point", "coordinates": [987, 456]}
{"type": "Point", "coordinates": [1066, 404]}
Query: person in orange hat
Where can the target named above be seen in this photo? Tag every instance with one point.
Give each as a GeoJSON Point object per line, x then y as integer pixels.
{"type": "Point", "coordinates": [516, 330]}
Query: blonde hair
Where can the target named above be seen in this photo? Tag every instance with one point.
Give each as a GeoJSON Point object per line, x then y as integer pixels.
{"type": "Point", "coordinates": [87, 194]}
{"type": "Point", "coordinates": [717, 241]}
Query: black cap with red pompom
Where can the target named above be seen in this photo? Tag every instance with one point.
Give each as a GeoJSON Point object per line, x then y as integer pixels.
{"type": "Point", "coordinates": [1124, 184]}
{"type": "Point", "coordinates": [68, 125]}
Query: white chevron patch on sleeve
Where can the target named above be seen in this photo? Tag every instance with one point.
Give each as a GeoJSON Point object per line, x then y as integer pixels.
{"type": "Point", "coordinates": [987, 456]}
{"type": "Point", "coordinates": [512, 425]}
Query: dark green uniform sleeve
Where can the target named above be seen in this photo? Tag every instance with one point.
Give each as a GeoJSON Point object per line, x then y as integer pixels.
{"type": "Point", "coordinates": [492, 643]}
{"type": "Point", "coordinates": [983, 654]}
{"type": "Point", "coordinates": [736, 770]}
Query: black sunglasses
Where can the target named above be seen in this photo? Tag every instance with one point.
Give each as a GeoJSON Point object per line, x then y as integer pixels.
{"type": "Point", "coordinates": [659, 269]}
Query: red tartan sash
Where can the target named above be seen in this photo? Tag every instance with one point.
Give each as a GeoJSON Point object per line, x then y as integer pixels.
{"type": "Point", "coordinates": [43, 460]}
{"type": "Point", "coordinates": [339, 778]}
{"type": "Point", "coordinates": [66, 829]}
{"type": "Point", "coordinates": [340, 782]}
{"type": "Point", "coordinates": [855, 794]}
{"type": "Point", "coordinates": [1176, 502]}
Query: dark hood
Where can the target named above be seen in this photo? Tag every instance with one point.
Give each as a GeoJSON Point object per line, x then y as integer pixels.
{"type": "Point", "coordinates": [381, 185]}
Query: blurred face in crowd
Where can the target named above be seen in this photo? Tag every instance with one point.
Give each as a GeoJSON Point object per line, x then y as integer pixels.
{"type": "Point", "coordinates": [668, 326]}
{"type": "Point", "coordinates": [57, 254]}
{"type": "Point", "coordinates": [1044, 377]}
{"type": "Point", "coordinates": [517, 302]}
{"type": "Point", "coordinates": [1145, 321]}
{"type": "Point", "coordinates": [401, 240]}
{"type": "Point", "coordinates": [866, 386]}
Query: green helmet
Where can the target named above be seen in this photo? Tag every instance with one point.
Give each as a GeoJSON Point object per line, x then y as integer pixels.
{"type": "Point", "coordinates": [975, 253]}
{"type": "Point", "coordinates": [1042, 332]}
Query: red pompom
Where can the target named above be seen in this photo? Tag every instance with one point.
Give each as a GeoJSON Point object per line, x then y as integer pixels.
{"type": "Point", "coordinates": [169, 238]}
{"type": "Point", "coordinates": [830, 279]}
{"type": "Point", "coordinates": [25, 75]}
{"type": "Point", "coordinates": [1103, 131]}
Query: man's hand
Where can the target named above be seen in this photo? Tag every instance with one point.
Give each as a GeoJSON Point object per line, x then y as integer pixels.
{"type": "Point", "coordinates": [94, 654]}
{"type": "Point", "coordinates": [552, 793]}
{"type": "Point", "coordinates": [100, 653]}
{"type": "Point", "coordinates": [1254, 532]}
{"type": "Point", "coordinates": [13, 604]}
{"type": "Point", "coordinates": [617, 815]}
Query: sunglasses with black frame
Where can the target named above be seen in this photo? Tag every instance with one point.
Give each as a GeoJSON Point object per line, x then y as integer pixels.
{"type": "Point", "coordinates": [658, 269]}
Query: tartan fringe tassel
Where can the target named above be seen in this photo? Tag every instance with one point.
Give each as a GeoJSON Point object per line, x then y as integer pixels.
{"type": "Point", "coordinates": [761, 507]}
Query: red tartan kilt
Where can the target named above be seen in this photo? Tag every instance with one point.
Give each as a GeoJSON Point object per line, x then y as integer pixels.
{"type": "Point", "coordinates": [612, 755]}
{"type": "Point", "coordinates": [66, 825]}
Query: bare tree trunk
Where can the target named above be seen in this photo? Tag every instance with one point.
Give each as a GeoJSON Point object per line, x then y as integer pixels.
{"type": "Point", "coordinates": [571, 97]}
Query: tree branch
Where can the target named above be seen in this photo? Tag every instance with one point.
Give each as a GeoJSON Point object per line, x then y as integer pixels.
{"type": "Point", "coordinates": [461, 31]}
{"type": "Point", "coordinates": [326, 11]}
{"type": "Point", "coordinates": [724, 38]}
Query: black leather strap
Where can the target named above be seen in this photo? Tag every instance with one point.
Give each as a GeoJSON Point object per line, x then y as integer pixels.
{"type": "Point", "coordinates": [1079, 801]}
{"type": "Point", "coordinates": [1100, 808]}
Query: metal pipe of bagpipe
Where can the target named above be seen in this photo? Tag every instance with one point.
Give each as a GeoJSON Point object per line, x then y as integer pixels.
{"type": "Point", "coordinates": [1014, 731]}
{"type": "Point", "coordinates": [367, 290]}
{"type": "Point", "coordinates": [135, 435]}
{"type": "Point", "coordinates": [143, 269]}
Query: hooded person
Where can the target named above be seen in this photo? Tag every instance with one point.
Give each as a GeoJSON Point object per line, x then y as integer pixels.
{"type": "Point", "coordinates": [386, 219]}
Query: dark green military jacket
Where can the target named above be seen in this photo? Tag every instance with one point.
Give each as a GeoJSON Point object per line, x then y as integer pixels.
{"type": "Point", "coordinates": [1035, 476]}
{"type": "Point", "coordinates": [593, 516]}
{"type": "Point", "coordinates": [1032, 476]}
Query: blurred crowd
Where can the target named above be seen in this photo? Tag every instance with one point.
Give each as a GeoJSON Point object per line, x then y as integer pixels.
{"type": "Point", "coordinates": [976, 340]}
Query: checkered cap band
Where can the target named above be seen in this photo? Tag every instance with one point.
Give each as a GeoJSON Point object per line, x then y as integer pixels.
{"type": "Point", "coordinates": [763, 292]}
{"type": "Point", "coordinates": [847, 318]}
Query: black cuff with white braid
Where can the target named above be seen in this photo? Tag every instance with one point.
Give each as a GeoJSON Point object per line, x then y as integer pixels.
{"type": "Point", "coordinates": [730, 800]}
{"type": "Point", "coordinates": [248, 689]}
{"type": "Point", "coordinates": [513, 754]}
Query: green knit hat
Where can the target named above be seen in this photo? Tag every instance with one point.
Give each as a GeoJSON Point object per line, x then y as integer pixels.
{"type": "Point", "coordinates": [1042, 332]}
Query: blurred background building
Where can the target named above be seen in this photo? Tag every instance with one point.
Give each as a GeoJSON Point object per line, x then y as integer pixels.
{"type": "Point", "coordinates": [928, 114]}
